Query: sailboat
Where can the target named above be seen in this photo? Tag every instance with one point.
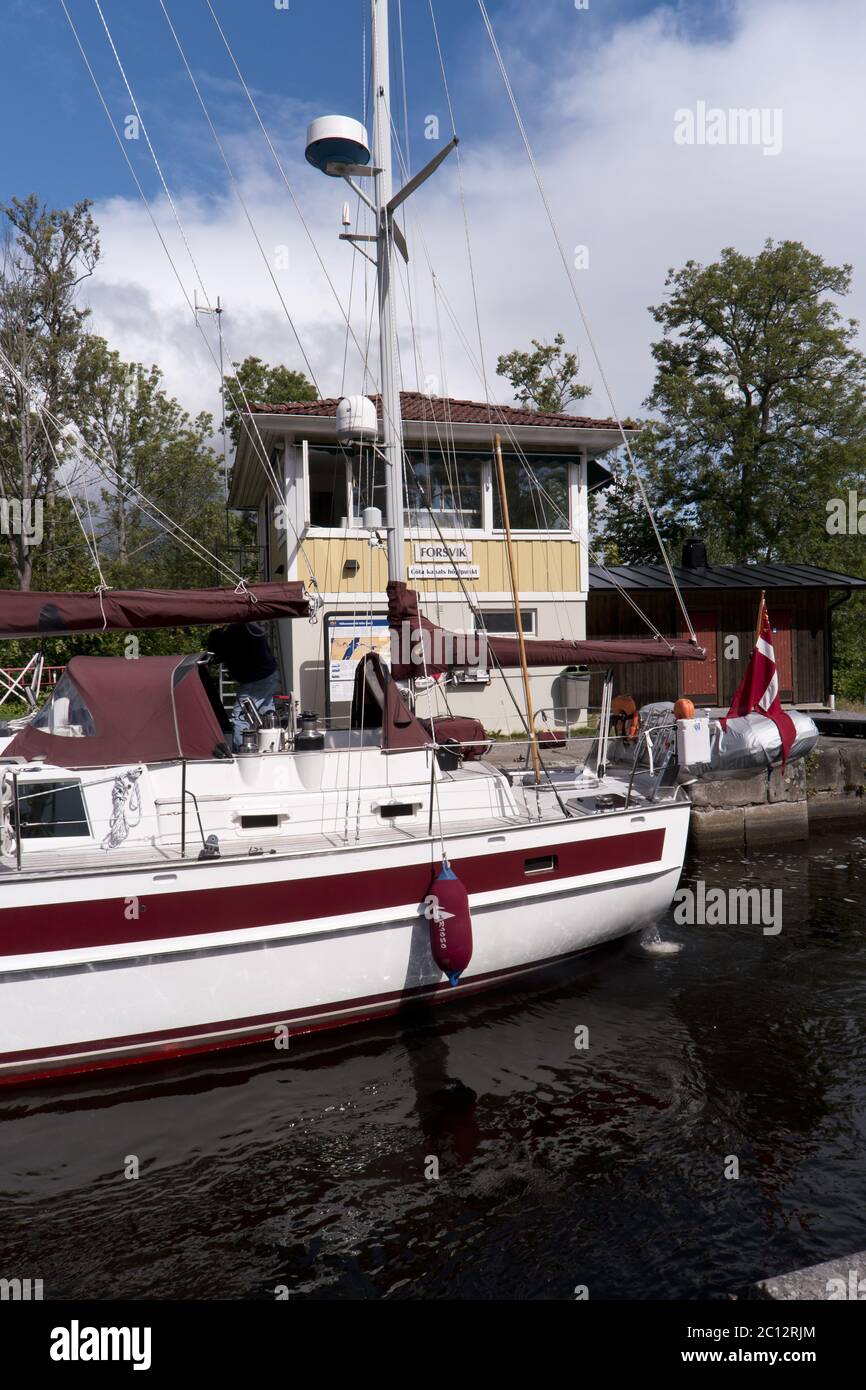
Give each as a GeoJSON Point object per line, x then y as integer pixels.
{"type": "Point", "coordinates": [162, 895]}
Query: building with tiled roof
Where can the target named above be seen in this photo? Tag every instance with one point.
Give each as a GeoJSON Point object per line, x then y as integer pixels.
{"type": "Point", "coordinates": [455, 553]}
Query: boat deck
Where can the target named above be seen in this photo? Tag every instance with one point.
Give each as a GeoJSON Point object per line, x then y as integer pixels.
{"type": "Point", "coordinates": [561, 794]}
{"type": "Point", "coordinates": [161, 855]}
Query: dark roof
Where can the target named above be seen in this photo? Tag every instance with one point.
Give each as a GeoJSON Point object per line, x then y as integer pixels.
{"type": "Point", "coordinates": [720, 577]}
{"type": "Point", "coordinates": [445, 410]}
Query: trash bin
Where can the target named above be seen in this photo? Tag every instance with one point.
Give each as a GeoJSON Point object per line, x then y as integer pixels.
{"type": "Point", "coordinates": [573, 692]}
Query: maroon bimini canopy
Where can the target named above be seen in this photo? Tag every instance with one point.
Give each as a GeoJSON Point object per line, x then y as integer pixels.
{"type": "Point", "coordinates": [124, 610]}
{"type": "Point", "coordinates": [153, 709]}
{"type": "Point", "coordinates": [436, 650]}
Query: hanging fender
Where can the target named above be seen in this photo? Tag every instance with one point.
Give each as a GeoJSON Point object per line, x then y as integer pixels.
{"type": "Point", "coordinates": [446, 908]}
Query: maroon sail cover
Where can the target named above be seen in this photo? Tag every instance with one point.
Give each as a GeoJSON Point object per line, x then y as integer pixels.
{"type": "Point", "coordinates": [115, 711]}
{"type": "Point", "coordinates": [378, 704]}
{"type": "Point", "coordinates": [123, 610]}
{"type": "Point", "coordinates": [425, 649]}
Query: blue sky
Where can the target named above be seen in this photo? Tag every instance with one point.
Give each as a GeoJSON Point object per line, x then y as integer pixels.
{"type": "Point", "coordinates": [300, 62]}
{"type": "Point", "coordinates": [599, 89]}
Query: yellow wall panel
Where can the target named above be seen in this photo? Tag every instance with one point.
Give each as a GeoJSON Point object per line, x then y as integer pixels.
{"type": "Point", "coordinates": [543, 566]}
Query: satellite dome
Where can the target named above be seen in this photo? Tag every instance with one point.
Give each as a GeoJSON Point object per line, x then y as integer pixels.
{"type": "Point", "coordinates": [357, 420]}
{"type": "Point", "coordinates": [334, 141]}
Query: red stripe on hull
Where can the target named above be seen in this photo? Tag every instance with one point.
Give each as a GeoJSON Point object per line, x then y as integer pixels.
{"type": "Point", "coordinates": [164, 916]}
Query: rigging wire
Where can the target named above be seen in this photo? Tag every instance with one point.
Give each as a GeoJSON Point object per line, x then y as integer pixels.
{"type": "Point", "coordinates": [507, 429]}
{"type": "Point", "coordinates": [577, 299]}
{"type": "Point", "coordinates": [480, 363]}
{"type": "Point", "coordinates": [122, 147]}
{"type": "Point", "coordinates": [166, 189]}
{"type": "Point", "coordinates": [245, 417]}
{"type": "Point", "coordinates": [174, 529]}
{"type": "Point", "coordinates": [283, 175]}
{"type": "Point", "coordinates": [239, 194]}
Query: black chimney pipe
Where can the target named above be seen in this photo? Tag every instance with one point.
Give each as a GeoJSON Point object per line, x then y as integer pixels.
{"type": "Point", "coordinates": [694, 554]}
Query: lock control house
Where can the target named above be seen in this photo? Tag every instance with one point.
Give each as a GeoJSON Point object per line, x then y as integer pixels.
{"type": "Point", "coordinates": [311, 492]}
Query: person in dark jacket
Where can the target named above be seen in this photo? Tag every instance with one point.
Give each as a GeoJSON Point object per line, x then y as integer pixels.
{"type": "Point", "coordinates": [242, 648]}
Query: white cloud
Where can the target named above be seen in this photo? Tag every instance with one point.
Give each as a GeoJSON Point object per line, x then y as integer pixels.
{"type": "Point", "coordinates": [617, 180]}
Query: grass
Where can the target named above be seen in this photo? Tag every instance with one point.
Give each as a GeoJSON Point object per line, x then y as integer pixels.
{"type": "Point", "coordinates": [13, 709]}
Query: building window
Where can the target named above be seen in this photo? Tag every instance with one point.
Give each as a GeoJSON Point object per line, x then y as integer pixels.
{"type": "Point", "coordinates": [499, 622]}
{"type": "Point", "coordinates": [51, 810]}
{"type": "Point", "coordinates": [369, 485]}
{"type": "Point", "coordinates": [537, 496]}
{"type": "Point", "coordinates": [443, 493]}
{"type": "Point", "coordinates": [327, 474]}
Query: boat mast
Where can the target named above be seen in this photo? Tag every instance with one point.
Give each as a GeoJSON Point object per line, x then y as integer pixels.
{"type": "Point", "coordinates": [392, 422]}
{"type": "Point", "coordinates": [337, 145]}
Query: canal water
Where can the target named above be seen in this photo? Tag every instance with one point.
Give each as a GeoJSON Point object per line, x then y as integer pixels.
{"type": "Point", "coordinates": [712, 1130]}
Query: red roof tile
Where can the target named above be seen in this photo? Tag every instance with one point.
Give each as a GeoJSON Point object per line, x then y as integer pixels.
{"type": "Point", "coordinates": [445, 410]}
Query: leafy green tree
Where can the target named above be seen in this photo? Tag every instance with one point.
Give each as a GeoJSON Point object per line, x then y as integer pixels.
{"type": "Point", "coordinates": [149, 450]}
{"type": "Point", "coordinates": [621, 531]}
{"type": "Point", "coordinates": [45, 255]}
{"type": "Point", "coordinates": [545, 379]}
{"type": "Point", "coordinates": [760, 394]}
{"type": "Point", "coordinates": [257, 382]}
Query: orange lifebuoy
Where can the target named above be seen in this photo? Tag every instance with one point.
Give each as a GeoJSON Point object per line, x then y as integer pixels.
{"type": "Point", "coordinates": [626, 719]}
{"type": "Point", "coordinates": [684, 709]}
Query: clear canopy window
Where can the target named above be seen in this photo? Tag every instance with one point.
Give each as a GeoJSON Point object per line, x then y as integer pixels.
{"type": "Point", "coordinates": [65, 714]}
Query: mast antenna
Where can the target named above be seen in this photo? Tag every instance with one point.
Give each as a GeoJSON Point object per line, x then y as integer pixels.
{"type": "Point", "coordinates": [337, 145]}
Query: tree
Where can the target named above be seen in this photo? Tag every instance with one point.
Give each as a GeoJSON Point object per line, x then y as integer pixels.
{"type": "Point", "coordinates": [545, 379]}
{"type": "Point", "coordinates": [622, 533]}
{"type": "Point", "coordinates": [761, 395]}
{"type": "Point", "coordinates": [256, 381]}
{"type": "Point", "coordinates": [45, 256]}
{"type": "Point", "coordinates": [148, 447]}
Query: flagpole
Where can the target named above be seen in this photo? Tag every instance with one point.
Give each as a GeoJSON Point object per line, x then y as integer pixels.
{"type": "Point", "coordinates": [760, 614]}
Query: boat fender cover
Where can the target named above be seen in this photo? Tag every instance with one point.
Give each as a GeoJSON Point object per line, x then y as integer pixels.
{"type": "Point", "coordinates": [447, 910]}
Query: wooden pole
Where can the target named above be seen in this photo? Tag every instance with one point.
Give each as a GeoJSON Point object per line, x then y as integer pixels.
{"type": "Point", "coordinates": [518, 619]}
{"type": "Point", "coordinates": [760, 614]}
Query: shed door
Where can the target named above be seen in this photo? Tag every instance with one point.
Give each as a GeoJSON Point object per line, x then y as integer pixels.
{"type": "Point", "coordinates": [780, 622]}
{"type": "Point", "coordinates": [701, 678]}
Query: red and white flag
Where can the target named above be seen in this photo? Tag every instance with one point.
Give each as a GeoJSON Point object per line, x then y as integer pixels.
{"type": "Point", "coordinates": [759, 689]}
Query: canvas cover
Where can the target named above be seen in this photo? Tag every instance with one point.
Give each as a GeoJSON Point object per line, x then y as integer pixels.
{"type": "Point", "coordinates": [107, 711]}
{"type": "Point", "coordinates": [124, 610]}
{"type": "Point", "coordinates": [378, 704]}
{"type": "Point", "coordinates": [741, 747]}
{"type": "Point", "coordinates": [437, 650]}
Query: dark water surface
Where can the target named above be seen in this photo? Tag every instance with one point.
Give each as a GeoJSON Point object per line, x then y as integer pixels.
{"type": "Point", "coordinates": [601, 1167]}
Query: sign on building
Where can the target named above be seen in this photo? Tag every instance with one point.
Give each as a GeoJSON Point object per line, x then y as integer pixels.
{"type": "Point", "coordinates": [446, 571]}
{"type": "Point", "coordinates": [443, 560]}
{"type": "Point", "coordinates": [349, 639]}
{"type": "Point", "coordinates": [437, 551]}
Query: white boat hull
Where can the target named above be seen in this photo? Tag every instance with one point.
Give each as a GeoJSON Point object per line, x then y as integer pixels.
{"type": "Point", "coordinates": [213, 954]}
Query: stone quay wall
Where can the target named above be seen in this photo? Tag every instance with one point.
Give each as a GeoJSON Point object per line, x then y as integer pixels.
{"type": "Point", "coordinates": [826, 791]}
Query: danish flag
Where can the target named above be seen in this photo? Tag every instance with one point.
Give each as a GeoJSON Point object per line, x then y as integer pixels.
{"type": "Point", "coordinates": [759, 688]}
